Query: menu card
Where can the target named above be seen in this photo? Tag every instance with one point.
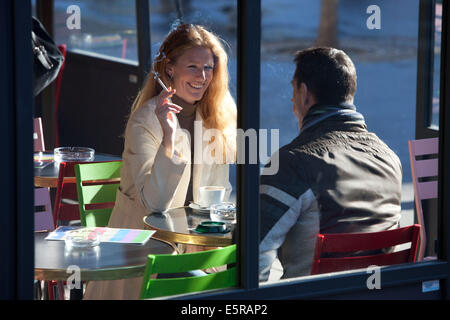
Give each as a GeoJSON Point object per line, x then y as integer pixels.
{"type": "Point", "coordinates": [135, 236]}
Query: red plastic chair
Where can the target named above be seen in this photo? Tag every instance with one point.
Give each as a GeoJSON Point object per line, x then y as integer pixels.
{"type": "Point", "coordinates": [66, 200]}
{"type": "Point", "coordinates": [66, 207]}
{"type": "Point", "coordinates": [423, 190]}
{"type": "Point", "coordinates": [349, 243]}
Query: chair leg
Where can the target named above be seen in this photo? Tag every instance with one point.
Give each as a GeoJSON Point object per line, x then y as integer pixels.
{"type": "Point", "coordinates": [61, 292]}
{"type": "Point", "coordinates": [51, 289]}
{"type": "Point", "coordinates": [45, 294]}
{"type": "Point", "coordinates": [37, 290]}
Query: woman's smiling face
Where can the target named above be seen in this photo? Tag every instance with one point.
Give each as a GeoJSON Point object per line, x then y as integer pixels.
{"type": "Point", "coordinates": [192, 73]}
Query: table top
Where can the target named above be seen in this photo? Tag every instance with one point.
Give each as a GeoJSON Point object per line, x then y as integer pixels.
{"type": "Point", "coordinates": [47, 176]}
{"type": "Point", "coordinates": [107, 261]}
{"type": "Point", "coordinates": [177, 226]}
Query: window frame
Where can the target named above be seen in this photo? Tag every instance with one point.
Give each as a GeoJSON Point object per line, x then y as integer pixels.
{"type": "Point", "coordinates": [19, 260]}
{"type": "Point", "coordinates": [17, 196]}
{"type": "Point", "coordinates": [425, 66]}
{"type": "Point", "coordinates": [398, 282]}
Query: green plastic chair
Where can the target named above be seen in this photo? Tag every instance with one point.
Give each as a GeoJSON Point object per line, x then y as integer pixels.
{"type": "Point", "coordinates": [97, 185]}
{"type": "Point", "coordinates": [166, 263]}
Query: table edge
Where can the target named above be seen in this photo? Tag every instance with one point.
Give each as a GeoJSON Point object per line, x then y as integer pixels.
{"type": "Point", "coordinates": [91, 275]}
{"type": "Point", "coordinates": [193, 239]}
{"type": "Point", "coordinates": [112, 273]}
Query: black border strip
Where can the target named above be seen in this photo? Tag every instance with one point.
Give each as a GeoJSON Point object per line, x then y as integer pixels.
{"type": "Point", "coordinates": [248, 91]}
{"type": "Point", "coordinates": [444, 148]}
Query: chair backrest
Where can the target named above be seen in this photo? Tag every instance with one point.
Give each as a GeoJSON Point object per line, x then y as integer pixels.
{"type": "Point", "coordinates": [65, 207]}
{"type": "Point", "coordinates": [38, 135]}
{"type": "Point", "coordinates": [421, 169]}
{"type": "Point", "coordinates": [97, 185]}
{"type": "Point", "coordinates": [345, 244]}
{"type": "Point", "coordinates": [165, 263]}
{"type": "Point", "coordinates": [43, 219]}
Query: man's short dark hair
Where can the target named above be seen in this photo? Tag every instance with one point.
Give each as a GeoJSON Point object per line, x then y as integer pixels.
{"type": "Point", "coordinates": [327, 72]}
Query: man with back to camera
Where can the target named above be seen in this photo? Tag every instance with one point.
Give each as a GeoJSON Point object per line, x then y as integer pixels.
{"type": "Point", "coordinates": [334, 177]}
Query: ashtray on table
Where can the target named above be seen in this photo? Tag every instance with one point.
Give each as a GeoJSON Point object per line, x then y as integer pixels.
{"type": "Point", "coordinates": [82, 154]}
{"type": "Point", "coordinates": [212, 227]}
{"type": "Point", "coordinates": [82, 238]}
{"type": "Point", "coordinates": [223, 212]}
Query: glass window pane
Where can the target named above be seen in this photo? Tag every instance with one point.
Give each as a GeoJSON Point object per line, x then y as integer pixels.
{"type": "Point", "coordinates": [312, 191]}
{"type": "Point", "coordinates": [217, 16]}
{"type": "Point", "coordinates": [437, 63]}
{"type": "Point", "coordinates": [33, 8]}
{"type": "Point", "coordinates": [106, 27]}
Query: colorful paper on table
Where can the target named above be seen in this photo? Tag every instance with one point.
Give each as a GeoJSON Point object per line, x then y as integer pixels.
{"type": "Point", "coordinates": [135, 236]}
{"type": "Point", "coordinates": [43, 157]}
{"type": "Point", "coordinates": [42, 160]}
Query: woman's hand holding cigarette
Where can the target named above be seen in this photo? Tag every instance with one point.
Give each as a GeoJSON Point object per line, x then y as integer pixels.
{"type": "Point", "coordinates": [165, 112]}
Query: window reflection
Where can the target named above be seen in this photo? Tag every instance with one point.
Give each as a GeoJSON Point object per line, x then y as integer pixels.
{"type": "Point", "coordinates": [218, 16]}
{"type": "Point", "coordinates": [33, 8]}
{"type": "Point", "coordinates": [437, 64]}
{"type": "Point", "coordinates": [384, 53]}
{"type": "Point", "coordinates": [106, 27]}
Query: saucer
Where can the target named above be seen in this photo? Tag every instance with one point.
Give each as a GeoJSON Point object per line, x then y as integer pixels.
{"type": "Point", "coordinates": [198, 207]}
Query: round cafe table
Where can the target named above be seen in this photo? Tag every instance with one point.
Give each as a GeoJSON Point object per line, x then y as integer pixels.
{"type": "Point", "coordinates": [46, 174]}
{"type": "Point", "coordinates": [178, 225]}
{"type": "Point", "coordinates": [107, 261]}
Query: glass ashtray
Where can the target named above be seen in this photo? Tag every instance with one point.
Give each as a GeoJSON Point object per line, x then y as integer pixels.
{"type": "Point", "coordinates": [223, 212]}
{"type": "Point", "coordinates": [82, 154]}
{"type": "Point", "coordinates": [82, 238]}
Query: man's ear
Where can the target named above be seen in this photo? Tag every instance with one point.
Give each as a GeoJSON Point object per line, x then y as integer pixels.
{"type": "Point", "coordinates": [304, 93]}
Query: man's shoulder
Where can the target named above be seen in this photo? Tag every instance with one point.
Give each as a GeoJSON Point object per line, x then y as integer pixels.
{"type": "Point", "coordinates": [298, 147]}
{"type": "Point", "coordinates": [292, 149]}
{"type": "Point", "coordinates": [287, 160]}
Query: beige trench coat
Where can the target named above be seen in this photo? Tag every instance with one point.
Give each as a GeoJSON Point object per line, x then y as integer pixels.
{"type": "Point", "coordinates": [150, 181]}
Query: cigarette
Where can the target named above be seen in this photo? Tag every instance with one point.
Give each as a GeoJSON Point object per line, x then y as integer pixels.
{"type": "Point", "coordinates": [162, 84]}
{"type": "Point", "coordinates": [156, 76]}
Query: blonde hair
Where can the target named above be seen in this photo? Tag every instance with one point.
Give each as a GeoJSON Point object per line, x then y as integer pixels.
{"type": "Point", "coordinates": [217, 106]}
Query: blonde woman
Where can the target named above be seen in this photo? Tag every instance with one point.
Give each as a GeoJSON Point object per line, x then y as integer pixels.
{"type": "Point", "coordinates": [175, 141]}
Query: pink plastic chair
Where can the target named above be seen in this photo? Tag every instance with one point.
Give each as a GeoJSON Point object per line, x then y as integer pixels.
{"type": "Point", "coordinates": [423, 190]}
{"type": "Point", "coordinates": [38, 135]}
{"type": "Point", "coordinates": [43, 220]}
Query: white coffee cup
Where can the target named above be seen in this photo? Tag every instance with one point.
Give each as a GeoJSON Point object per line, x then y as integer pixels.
{"type": "Point", "coordinates": [209, 195]}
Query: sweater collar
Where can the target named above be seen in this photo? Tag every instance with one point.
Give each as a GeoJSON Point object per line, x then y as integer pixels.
{"type": "Point", "coordinates": [343, 111]}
